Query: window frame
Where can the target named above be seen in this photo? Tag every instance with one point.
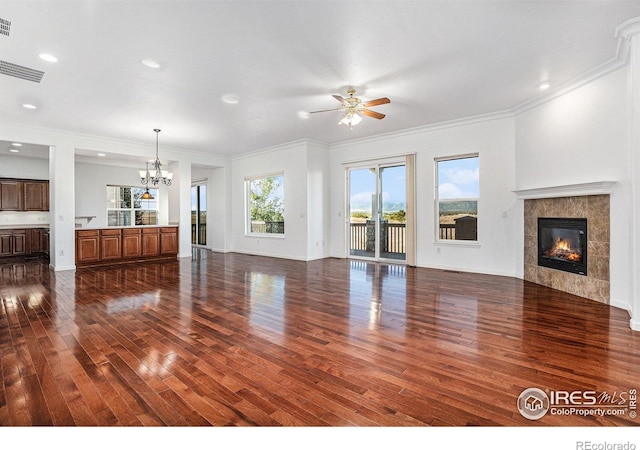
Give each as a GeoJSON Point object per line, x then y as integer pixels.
{"type": "Point", "coordinates": [247, 197]}
{"type": "Point", "coordinates": [132, 209]}
{"type": "Point", "coordinates": [437, 201]}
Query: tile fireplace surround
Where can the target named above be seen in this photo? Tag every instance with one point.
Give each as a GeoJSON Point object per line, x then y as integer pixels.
{"type": "Point", "coordinates": [595, 208]}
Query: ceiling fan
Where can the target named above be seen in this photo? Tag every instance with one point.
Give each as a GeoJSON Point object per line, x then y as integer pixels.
{"type": "Point", "coordinates": [355, 108]}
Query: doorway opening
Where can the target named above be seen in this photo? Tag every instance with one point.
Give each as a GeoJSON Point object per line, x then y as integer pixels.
{"type": "Point", "coordinates": [199, 214]}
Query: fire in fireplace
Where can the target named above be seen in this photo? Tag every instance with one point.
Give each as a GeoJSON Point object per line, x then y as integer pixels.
{"type": "Point", "coordinates": [562, 244]}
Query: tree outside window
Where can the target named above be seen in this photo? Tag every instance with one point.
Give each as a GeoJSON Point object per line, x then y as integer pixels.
{"type": "Point", "coordinates": [266, 205]}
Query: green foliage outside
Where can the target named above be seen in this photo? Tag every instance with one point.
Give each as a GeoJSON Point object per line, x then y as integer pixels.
{"type": "Point", "coordinates": [266, 204]}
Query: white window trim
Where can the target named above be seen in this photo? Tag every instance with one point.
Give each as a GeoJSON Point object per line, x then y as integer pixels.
{"type": "Point", "coordinates": [132, 210]}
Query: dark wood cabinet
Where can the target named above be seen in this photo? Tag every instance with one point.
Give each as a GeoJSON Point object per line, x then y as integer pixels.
{"type": "Point", "coordinates": [110, 244]}
{"type": "Point", "coordinates": [150, 241]}
{"type": "Point", "coordinates": [13, 242]}
{"type": "Point", "coordinates": [87, 246]}
{"type": "Point", "coordinates": [24, 195]}
{"type": "Point", "coordinates": [11, 195]}
{"type": "Point", "coordinates": [114, 245]}
{"type": "Point", "coordinates": [36, 195]}
{"type": "Point", "coordinates": [131, 242]}
{"type": "Point", "coordinates": [168, 240]}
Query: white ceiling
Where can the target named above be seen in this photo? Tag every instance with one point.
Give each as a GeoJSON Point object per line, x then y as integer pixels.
{"type": "Point", "coordinates": [436, 60]}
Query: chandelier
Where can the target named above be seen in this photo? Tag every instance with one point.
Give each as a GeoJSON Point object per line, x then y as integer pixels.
{"type": "Point", "coordinates": [155, 175]}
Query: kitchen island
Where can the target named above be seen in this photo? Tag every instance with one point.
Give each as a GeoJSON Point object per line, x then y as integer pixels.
{"type": "Point", "coordinates": [114, 245]}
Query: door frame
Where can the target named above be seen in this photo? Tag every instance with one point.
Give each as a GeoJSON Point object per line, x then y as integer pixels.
{"type": "Point", "coordinates": [409, 162]}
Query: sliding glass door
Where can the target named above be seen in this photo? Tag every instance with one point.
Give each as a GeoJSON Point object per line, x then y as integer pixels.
{"type": "Point", "coordinates": [377, 211]}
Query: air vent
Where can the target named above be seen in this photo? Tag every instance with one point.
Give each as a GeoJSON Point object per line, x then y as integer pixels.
{"type": "Point", "coordinates": [5, 26]}
{"type": "Point", "coordinates": [14, 70]}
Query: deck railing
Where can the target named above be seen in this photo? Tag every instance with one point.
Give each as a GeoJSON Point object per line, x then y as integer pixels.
{"type": "Point", "coordinates": [393, 236]}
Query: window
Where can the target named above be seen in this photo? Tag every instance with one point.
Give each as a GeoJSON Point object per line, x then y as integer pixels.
{"type": "Point", "coordinates": [457, 192]}
{"type": "Point", "coordinates": [125, 206]}
{"type": "Point", "coordinates": [265, 201]}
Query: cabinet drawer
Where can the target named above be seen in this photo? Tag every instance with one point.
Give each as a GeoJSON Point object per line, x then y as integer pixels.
{"type": "Point", "coordinates": [110, 232]}
{"type": "Point", "coordinates": [87, 233]}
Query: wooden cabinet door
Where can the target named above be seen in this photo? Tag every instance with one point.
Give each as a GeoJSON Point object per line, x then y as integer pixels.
{"type": "Point", "coordinates": [150, 242]}
{"type": "Point", "coordinates": [6, 244]}
{"type": "Point", "coordinates": [110, 244]}
{"type": "Point", "coordinates": [20, 242]}
{"type": "Point", "coordinates": [131, 243]}
{"type": "Point", "coordinates": [45, 242]}
{"type": "Point", "coordinates": [36, 196]}
{"type": "Point", "coordinates": [11, 195]}
{"type": "Point", "coordinates": [35, 241]}
{"type": "Point", "coordinates": [168, 241]}
{"type": "Point", "coordinates": [87, 246]}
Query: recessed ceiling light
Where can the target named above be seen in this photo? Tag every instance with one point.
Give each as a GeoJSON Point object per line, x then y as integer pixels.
{"type": "Point", "coordinates": [14, 150]}
{"type": "Point", "coordinates": [151, 63]}
{"type": "Point", "coordinates": [102, 154]}
{"type": "Point", "coordinates": [29, 106]}
{"type": "Point", "coordinates": [303, 114]}
{"type": "Point", "coordinates": [16, 144]}
{"type": "Point", "coordinates": [230, 99]}
{"type": "Point", "coordinates": [544, 85]}
{"type": "Point", "coordinates": [47, 57]}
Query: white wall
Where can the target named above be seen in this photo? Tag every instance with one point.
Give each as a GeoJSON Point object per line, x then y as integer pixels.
{"type": "Point", "coordinates": [498, 221]}
{"type": "Point", "coordinates": [318, 194]}
{"type": "Point", "coordinates": [22, 167]}
{"type": "Point", "coordinates": [581, 137]}
{"type": "Point", "coordinates": [91, 182]}
{"type": "Point", "coordinates": [290, 159]}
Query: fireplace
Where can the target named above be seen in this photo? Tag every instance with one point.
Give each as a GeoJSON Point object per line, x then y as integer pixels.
{"type": "Point", "coordinates": [562, 244]}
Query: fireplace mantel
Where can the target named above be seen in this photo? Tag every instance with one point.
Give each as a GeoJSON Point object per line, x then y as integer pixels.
{"type": "Point", "coordinates": [569, 190]}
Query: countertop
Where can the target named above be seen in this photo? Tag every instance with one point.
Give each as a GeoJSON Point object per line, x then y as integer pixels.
{"type": "Point", "coordinates": [129, 226]}
{"type": "Point", "coordinates": [23, 226]}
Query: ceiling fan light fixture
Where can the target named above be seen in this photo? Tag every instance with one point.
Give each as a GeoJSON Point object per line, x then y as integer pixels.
{"type": "Point", "coordinates": [351, 119]}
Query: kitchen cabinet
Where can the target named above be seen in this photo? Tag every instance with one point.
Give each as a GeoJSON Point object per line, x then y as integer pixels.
{"type": "Point", "coordinates": [150, 241]}
{"type": "Point", "coordinates": [36, 195]}
{"type": "Point", "coordinates": [11, 195]}
{"type": "Point", "coordinates": [24, 195]}
{"type": "Point", "coordinates": [87, 246]}
{"type": "Point", "coordinates": [110, 244]}
{"type": "Point", "coordinates": [168, 240]}
{"type": "Point", "coordinates": [131, 242]}
{"type": "Point", "coordinates": [13, 242]}
{"type": "Point", "coordinates": [118, 245]}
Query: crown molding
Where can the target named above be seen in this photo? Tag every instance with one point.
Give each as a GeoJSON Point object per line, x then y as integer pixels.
{"type": "Point", "coordinates": [623, 33]}
{"type": "Point", "coordinates": [472, 120]}
{"type": "Point", "coordinates": [276, 148]}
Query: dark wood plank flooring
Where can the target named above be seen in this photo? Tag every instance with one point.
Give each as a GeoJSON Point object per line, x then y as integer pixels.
{"type": "Point", "coordinates": [243, 340]}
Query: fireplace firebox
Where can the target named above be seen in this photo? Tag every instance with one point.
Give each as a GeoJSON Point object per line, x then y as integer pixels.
{"type": "Point", "coordinates": [562, 244]}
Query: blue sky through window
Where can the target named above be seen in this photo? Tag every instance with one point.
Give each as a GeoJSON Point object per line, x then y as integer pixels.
{"type": "Point", "coordinates": [458, 178]}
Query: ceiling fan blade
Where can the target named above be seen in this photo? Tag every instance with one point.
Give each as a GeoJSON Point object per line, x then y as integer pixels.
{"type": "Point", "coordinates": [325, 110]}
{"type": "Point", "coordinates": [378, 101]}
{"type": "Point", "coordinates": [340, 99]}
{"type": "Point", "coordinates": [375, 115]}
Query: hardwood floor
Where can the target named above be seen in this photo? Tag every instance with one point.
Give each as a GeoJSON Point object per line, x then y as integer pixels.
{"type": "Point", "coordinates": [243, 340]}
